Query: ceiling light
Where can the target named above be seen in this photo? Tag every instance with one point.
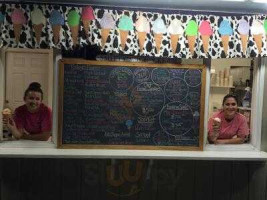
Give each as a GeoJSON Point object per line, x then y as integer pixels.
{"type": "Point", "coordinates": [259, 1]}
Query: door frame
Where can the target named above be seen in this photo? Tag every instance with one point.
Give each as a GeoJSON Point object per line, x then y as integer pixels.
{"type": "Point", "coordinates": [49, 52]}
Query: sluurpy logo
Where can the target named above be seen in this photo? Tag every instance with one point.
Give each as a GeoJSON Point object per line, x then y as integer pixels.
{"type": "Point", "coordinates": [125, 179]}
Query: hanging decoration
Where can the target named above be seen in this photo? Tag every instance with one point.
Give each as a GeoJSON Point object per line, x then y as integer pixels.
{"type": "Point", "coordinates": [142, 29]}
{"type": "Point", "coordinates": [205, 31]}
{"type": "Point", "coordinates": [136, 33]}
{"type": "Point", "coordinates": [125, 25]}
{"type": "Point", "coordinates": [87, 17]}
{"type": "Point", "coordinates": [175, 30]}
{"type": "Point", "coordinates": [18, 20]}
{"type": "Point", "coordinates": [56, 21]}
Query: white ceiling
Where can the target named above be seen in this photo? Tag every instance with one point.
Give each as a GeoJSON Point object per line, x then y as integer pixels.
{"type": "Point", "coordinates": [198, 5]}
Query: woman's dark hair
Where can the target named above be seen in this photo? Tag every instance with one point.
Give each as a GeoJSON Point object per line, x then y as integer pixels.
{"type": "Point", "coordinates": [34, 87]}
{"type": "Point", "coordinates": [229, 96]}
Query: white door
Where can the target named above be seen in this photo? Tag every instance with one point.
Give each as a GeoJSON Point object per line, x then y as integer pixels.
{"type": "Point", "coordinates": [22, 68]}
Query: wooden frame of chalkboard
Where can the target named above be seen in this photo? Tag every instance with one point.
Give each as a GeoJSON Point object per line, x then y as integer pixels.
{"type": "Point", "coordinates": [130, 105]}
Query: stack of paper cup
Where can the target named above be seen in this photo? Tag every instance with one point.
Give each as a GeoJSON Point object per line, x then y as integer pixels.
{"type": "Point", "coordinates": [230, 84]}
{"type": "Point", "coordinates": [226, 72]}
{"type": "Point", "coordinates": [213, 79]}
{"type": "Point", "coordinates": [220, 74]}
{"type": "Point", "coordinates": [221, 81]}
{"type": "Point", "coordinates": [226, 82]}
{"type": "Point", "coordinates": [221, 78]}
{"type": "Point", "coordinates": [217, 82]}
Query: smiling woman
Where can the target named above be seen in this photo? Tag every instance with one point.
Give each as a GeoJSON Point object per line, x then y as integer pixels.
{"type": "Point", "coordinates": [228, 126]}
{"type": "Point", "coordinates": [33, 120]}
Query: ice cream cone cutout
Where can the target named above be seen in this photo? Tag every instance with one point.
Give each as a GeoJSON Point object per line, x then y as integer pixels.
{"type": "Point", "coordinates": [125, 25]}
{"type": "Point", "coordinates": [142, 28]}
{"type": "Point", "coordinates": [106, 23]}
{"type": "Point", "coordinates": [191, 32]}
{"type": "Point", "coordinates": [175, 30]}
{"type": "Point", "coordinates": [56, 20]}
{"type": "Point", "coordinates": [87, 17]}
{"type": "Point", "coordinates": [243, 30]}
{"type": "Point", "coordinates": [257, 31]}
{"type": "Point", "coordinates": [2, 18]}
{"type": "Point", "coordinates": [141, 40]}
{"type": "Point", "coordinates": [226, 31]}
{"type": "Point", "coordinates": [74, 22]}
{"type": "Point", "coordinates": [158, 29]}
{"type": "Point", "coordinates": [104, 36]}
{"type": "Point", "coordinates": [205, 32]}
{"type": "Point", "coordinates": [158, 40]}
{"type": "Point", "coordinates": [38, 21]}
{"type": "Point", "coordinates": [265, 28]}
{"type": "Point", "coordinates": [18, 19]}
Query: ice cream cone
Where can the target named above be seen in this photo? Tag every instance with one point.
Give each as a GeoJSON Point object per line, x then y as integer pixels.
{"type": "Point", "coordinates": [244, 41]}
{"type": "Point", "coordinates": [191, 43]}
{"type": "Point", "coordinates": [104, 36]}
{"type": "Point", "coordinates": [225, 41]}
{"type": "Point", "coordinates": [86, 25]}
{"type": "Point", "coordinates": [74, 34]}
{"type": "Point", "coordinates": [38, 31]}
{"type": "Point", "coordinates": [205, 41]}
{"type": "Point", "coordinates": [141, 39]}
{"type": "Point", "coordinates": [6, 113]}
{"type": "Point", "coordinates": [56, 31]}
{"type": "Point", "coordinates": [174, 41]}
{"type": "Point", "coordinates": [258, 41]}
{"type": "Point", "coordinates": [17, 30]}
{"type": "Point", "coordinates": [7, 116]}
{"type": "Point", "coordinates": [158, 39]}
{"type": "Point", "coordinates": [123, 36]}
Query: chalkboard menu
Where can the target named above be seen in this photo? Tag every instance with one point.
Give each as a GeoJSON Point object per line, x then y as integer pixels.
{"type": "Point", "coordinates": [130, 105]}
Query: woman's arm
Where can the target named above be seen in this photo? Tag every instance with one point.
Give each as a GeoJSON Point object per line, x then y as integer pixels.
{"type": "Point", "coordinates": [213, 136]}
{"type": "Point", "coordinates": [44, 136]}
{"type": "Point", "coordinates": [23, 134]}
{"type": "Point", "coordinates": [214, 131]}
{"type": "Point", "coordinates": [17, 133]}
{"type": "Point", "coordinates": [230, 141]}
{"type": "Point", "coordinates": [241, 136]}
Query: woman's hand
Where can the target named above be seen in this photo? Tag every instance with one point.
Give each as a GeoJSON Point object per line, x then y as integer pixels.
{"type": "Point", "coordinates": [216, 127]}
{"type": "Point", "coordinates": [215, 130]}
{"type": "Point", "coordinates": [12, 126]}
{"type": "Point", "coordinates": [220, 142]}
{"type": "Point", "coordinates": [5, 120]}
{"type": "Point", "coordinates": [236, 140]}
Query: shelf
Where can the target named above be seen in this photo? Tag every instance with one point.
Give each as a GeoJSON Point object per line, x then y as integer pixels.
{"type": "Point", "coordinates": [214, 86]}
{"type": "Point", "coordinates": [210, 152]}
{"type": "Point", "coordinates": [37, 149]}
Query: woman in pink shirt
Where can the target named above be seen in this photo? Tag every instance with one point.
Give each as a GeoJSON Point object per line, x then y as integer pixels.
{"type": "Point", "coordinates": [33, 120]}
{"type": "Point", "coordinates": [228, 126]}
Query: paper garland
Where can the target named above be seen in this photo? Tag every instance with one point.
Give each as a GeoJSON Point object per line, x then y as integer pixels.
{"type": "Point", "coordinates": [115, 31]}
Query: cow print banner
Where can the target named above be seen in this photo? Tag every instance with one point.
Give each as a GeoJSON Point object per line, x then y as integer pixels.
{"type": "Point", "coordinates": [28, 39]}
